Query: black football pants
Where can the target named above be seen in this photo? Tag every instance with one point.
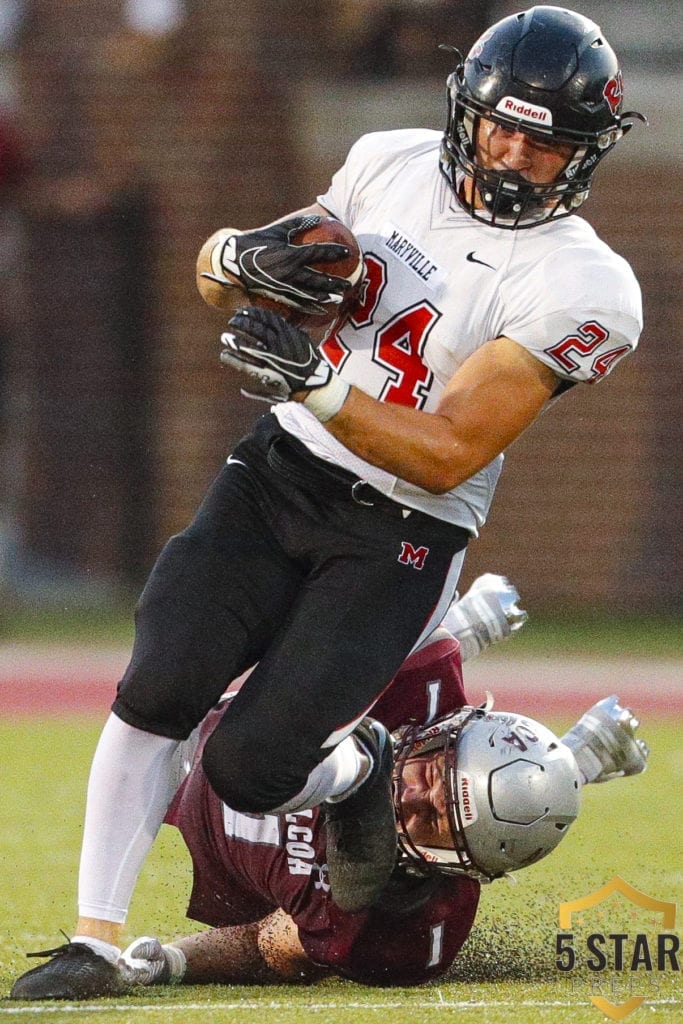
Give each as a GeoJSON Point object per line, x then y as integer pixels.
{"type": "Point", "coordinates": [283, 567]}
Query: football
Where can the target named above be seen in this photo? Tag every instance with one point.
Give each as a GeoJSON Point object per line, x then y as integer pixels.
{"type": "Point", "coordinates": [329, 230]}
{"type": "Point", "coordinates": [332, 230]}
{"type": "Point", "coordinates": [351, 267]}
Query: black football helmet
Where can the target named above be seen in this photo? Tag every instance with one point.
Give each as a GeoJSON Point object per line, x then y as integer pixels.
{"type": "Point", "coordinates": [548, 72]}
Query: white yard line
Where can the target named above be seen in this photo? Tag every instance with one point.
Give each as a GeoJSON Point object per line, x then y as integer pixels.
{"type": "Point", "coordinates": [165, 1007]}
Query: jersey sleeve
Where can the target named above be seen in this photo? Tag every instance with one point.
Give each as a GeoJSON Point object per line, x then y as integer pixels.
{"type": "Point", "coordinates": [345, 195]}
{"type": "Point", "coordinates": [428, 684]}
{"type": "Point", "coordinates": [383, 946]}
{"type": "Point", "coordinates": [579, 311]}
{"type": "Point", "coordinates": [366, 173]}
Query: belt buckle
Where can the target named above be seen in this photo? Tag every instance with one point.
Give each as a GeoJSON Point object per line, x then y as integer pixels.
{"type": "Point", "coordinates": [355, 493]}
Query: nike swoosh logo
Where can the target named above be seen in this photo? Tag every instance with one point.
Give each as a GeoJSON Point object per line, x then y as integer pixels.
{"type": "Point", "coordinates": [471, 258]}
{"type": "Point", "coordinates": [232, 461]}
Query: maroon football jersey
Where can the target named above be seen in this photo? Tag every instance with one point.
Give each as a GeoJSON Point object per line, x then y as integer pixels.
{"type": "Point", "coordinates": [247, 866]}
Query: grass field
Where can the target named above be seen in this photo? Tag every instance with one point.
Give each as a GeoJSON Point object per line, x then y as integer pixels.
{"type": "Point", "coordinates": [506, 972]}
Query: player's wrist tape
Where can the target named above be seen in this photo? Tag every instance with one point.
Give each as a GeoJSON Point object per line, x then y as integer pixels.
{"type": "Point", "coordinates": [325, 402]}
{"type": "Point", "coordinates": [176, 962]}
{"type": "Point", "coordinates": [218, 267]}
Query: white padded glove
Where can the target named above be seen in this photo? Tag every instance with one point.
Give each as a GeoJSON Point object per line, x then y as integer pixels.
{"type": "Point", "coordinates": [147, 962]}
{"type": "Point", "coordinates": [487, 613]}
{"type": "Point", "coordinates": [604, 743]}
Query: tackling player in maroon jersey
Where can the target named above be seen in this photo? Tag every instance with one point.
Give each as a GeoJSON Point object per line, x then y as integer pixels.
{"type": "Point", "coordinates": [261, 883]}
{"type": "Point", "coordinates": [463, 778]}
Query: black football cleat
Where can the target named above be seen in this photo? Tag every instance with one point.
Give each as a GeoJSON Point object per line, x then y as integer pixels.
{"type": "Point", "coordinates": [361, 830]}
{"type": "Point", "coordinates": [74, 971]}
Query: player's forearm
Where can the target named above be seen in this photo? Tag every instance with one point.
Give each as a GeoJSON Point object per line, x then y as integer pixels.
{"type": "Point", "coordinates": [225, 956]}
{"type": "Point", "coordinates": [267, 951]}
{"type": "Point", "coordinates": [281, 949]}
{"type": "Point", "coordinates": [419, 447]}
{"type": "Point", "coordinates": [494, 396]}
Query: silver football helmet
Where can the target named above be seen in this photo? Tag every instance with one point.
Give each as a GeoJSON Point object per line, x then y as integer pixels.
{"type": "Point", "coordinates": [512, 790]}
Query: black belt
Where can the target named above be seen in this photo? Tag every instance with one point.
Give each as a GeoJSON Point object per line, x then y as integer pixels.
{"type": "Point", "coordinates": [292, 459]}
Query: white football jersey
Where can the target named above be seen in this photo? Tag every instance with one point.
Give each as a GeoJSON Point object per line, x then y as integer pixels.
{"type": "Point", "coordinates": [439, 285]}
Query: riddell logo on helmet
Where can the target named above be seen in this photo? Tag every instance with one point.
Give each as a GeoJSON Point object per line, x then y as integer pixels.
{"type": "Point", "coordinates": [467, 806]}
{"type": "Point", "coordinates": [525, 111]}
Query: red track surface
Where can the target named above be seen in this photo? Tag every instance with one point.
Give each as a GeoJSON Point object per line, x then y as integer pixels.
{"type": "Point", "coordinates": [64, 681]}
{"type": "Point", "coordinates": [58, 680]}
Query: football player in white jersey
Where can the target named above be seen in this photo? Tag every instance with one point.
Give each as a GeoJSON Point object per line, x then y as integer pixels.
{"type": "Point", "coordinates": [331, 543]}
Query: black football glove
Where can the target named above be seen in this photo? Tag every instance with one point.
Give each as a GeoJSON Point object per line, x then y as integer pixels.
{"type": "Point", "coordinates": [277, 358]}
{"type": "Point", "coordinates": [267, 262]}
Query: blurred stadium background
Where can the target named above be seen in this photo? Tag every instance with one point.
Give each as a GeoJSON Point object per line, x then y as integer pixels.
{"type": "Point", "coordinates": [131, 129]}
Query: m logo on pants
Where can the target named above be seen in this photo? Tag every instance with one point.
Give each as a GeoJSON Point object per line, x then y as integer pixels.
{"type": "Point", "coordinates": [412, 556]}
